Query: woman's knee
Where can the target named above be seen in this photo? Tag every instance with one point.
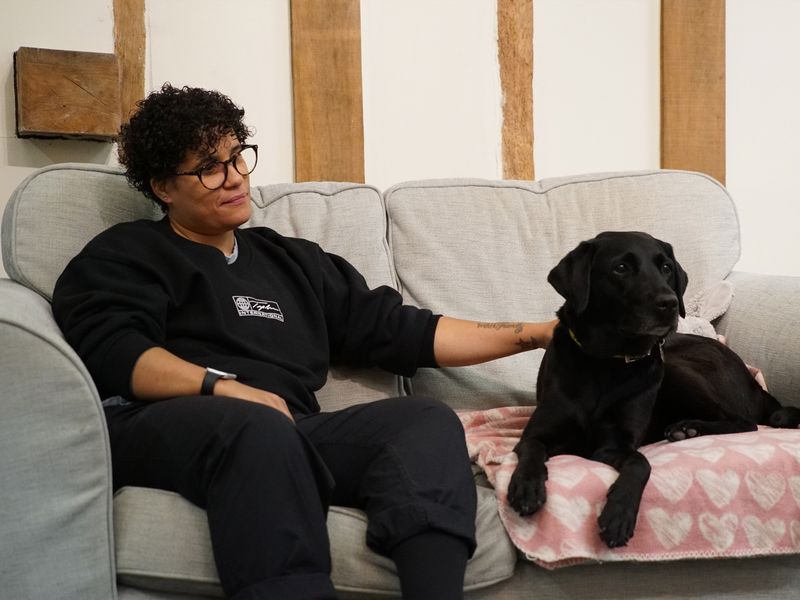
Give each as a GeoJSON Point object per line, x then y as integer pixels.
{"type": "Point", "coordinates": [434, 414]}
{"type": "Point", "coordinates": [251, 424]}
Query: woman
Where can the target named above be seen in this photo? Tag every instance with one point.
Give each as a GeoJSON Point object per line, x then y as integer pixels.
{"type": "Point", "coordinates": [208, 343]}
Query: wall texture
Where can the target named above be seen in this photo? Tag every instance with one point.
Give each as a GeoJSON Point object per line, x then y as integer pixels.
{"type": "Point", "coordinates": [431, 89]}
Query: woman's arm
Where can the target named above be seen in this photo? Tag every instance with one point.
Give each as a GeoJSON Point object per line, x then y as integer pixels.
{"type": "Point", "coordinates": [159, 374]}
{"type": "Point", "coordinates": [458, 343]}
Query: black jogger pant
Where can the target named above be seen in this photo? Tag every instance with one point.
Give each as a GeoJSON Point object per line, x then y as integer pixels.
{"type": "Point", "coordinates": [266, 483]}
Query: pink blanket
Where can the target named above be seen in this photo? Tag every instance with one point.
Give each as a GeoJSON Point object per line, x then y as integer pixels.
{"type": "Point", "coordinates": [712, 496]}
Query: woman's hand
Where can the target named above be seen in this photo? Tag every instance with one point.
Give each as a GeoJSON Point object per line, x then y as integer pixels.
{"type": "Point", "coordinates": [235, 389]}
{"type": "Point", "coordinates": [546, 333]}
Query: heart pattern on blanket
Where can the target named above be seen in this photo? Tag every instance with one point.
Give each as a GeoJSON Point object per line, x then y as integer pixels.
{"type": "Point", "coordinates": [794, 485]}
{"type": "Point", "coordinates": [792, 449]}
{"type": "Point", "coordinates": [721, 488]}
{"type": "Point", "coordinates": [759, 453]}
{"type": "Point", "coordinates": [569, 477]}
{"type": "Point", "coordinates": [794, 533]}
{"type": "Point", "coordinates": [713, 496]}
{"type": "Point", "coordinates": [765, 488]}
{"type": "Point", "coordinates": [763, 534]}
{"type": "Point", "coordinates": [671, 529]}
{"type": "Point", "coordinates": [605, 474]}
{"type": "Point", "coordinates": [525, 528]}
{"type": "Point", "coordinates": [673, 483]}
{"type": "Point", "coordinates": [662, 458]}
{"type": "Point", "coordinates": [720, 531]}
{"type": "Point", "coordinates": [711, 455]}
{"type": "Point", "coordinates": [571, 512]}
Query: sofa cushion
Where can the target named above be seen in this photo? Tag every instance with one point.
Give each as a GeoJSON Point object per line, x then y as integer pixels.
{"type": "Point", "coordinates": [162, 543]}
{"type": "Point", "coordinates": [55, 211]}
{"type": "Point", "coordinates": [344, 218]}
{"type": "Point", "coordinates": [349, 220]}
{"type": "Point", "coordinates": [482, 250]}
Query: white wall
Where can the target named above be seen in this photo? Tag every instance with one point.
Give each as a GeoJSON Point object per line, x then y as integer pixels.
{"type": "Point", "coordinates": [64, 25]}
{"type": "Point", "coordinates": [431, 87]}
{"type": "Point", "coordinates": [596, 86]}
{"type": "Point", "coordinates": [432, 105]}
{"type": "Point", "coordinates": [763, 131]}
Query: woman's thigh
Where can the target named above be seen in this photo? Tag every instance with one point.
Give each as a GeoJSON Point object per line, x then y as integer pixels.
{"type": "Point", "coordinates": [393, 446]}
{"type": "Point", "coordinates": [180, 443]}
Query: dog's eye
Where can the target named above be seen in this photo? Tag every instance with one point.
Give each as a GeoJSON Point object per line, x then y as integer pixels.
{"type": "Point", "coordinates": [666, 269]}
{"type": "Point", "coordinates": [621, 268]}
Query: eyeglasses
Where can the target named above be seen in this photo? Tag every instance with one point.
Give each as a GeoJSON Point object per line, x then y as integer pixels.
{"type": "Point", "coordinates": [214, 174]}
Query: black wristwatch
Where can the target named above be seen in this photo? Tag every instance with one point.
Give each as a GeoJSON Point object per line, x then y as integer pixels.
{"type": "Point", "coordinates": [211, 377]}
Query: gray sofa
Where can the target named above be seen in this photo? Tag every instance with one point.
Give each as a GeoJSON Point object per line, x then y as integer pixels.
{"type": "Point", "coordinates": [469, 248]}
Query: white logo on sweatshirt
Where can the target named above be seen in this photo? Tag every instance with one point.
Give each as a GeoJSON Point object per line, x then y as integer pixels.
{"type": "Point", "coordinates": [247, 306]}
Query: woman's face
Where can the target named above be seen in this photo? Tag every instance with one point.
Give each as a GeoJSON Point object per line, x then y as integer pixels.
{"type": "Point", "coordinates": [195, 208]}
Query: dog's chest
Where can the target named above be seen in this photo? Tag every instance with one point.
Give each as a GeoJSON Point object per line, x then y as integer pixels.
{"type": "Point", "coordinates": [616, 395]}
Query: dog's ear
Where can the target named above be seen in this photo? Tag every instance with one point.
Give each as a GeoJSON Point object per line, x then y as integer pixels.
{"type": "Point", "coordinates": [681, 278]}
{"type": "Point", "coordinates": [571, 276]}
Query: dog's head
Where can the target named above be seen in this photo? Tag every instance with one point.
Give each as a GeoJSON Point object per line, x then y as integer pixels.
{"type": "Point", "coordinates": [623, 291]}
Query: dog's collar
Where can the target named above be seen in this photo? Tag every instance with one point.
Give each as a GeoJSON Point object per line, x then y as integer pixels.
{"type": "Point", "coordinates": [626, 357]}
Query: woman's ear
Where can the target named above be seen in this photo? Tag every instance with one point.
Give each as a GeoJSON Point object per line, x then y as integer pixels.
{"type": "Point", "coordinates": [159, 187]}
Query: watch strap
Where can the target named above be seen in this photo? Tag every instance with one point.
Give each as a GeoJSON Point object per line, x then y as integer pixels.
{"type": "Point", "coordinates": [209, 380]}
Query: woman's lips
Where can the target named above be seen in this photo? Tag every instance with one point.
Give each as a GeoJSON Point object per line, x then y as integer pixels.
{"type": "Point", "coordinates": [236, 200]}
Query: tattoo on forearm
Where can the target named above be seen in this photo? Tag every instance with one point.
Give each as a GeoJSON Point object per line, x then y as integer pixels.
{"type": "Point", "coordinates": [517, 327]}
{"type": "Point", "coordinates": [529, 344]}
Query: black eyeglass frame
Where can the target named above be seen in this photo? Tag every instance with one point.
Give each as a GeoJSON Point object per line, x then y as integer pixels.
{"type": "Point", "coordinates": [225, 163]}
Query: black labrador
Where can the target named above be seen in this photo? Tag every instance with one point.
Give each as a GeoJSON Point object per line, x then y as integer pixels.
{"type": "Point", "coordinates": [616, 376]}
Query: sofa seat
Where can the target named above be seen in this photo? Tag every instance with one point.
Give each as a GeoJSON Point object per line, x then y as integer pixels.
{"type": "Point", "coordinates": [162, 544]}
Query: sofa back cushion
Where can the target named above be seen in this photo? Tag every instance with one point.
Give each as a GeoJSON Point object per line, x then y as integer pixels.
{"type": "Point", "coordinates": [349, 220]}
{"type": "Point", "coordinates": [57, 210]}
{"type": "Point", "coordinates": [482, 250]}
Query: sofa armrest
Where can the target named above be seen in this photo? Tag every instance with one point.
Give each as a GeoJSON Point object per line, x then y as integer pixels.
{"type": "Point", "coordinates": [763, 326]}
{"type": "Point", "coordinates": [55, 495]}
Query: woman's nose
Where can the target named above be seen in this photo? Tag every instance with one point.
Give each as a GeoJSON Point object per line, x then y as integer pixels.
{"type": "Point", "coordinates": [232, 176]}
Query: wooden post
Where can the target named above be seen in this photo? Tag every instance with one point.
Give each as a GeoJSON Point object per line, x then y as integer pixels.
{"type": "Point", "coordinates": [693, 86]}
{"type": "Point", "coordinates": [326, 71]}
{"type": "Point", "coordinates": [515, 50]}
{"type": "Point", "coordinates": [129, 46]}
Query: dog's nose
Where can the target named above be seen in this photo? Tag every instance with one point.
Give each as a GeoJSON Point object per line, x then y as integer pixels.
{"type": "Point", "coordinates": [666, 303]}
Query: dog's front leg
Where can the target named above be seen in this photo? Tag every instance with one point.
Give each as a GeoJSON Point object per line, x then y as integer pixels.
{"type": "Point", "coordinates": [618, 519]}
{"type": "Point", "coordinates": [526, 490]}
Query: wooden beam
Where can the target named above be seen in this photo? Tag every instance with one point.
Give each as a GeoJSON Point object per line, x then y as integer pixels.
{"type": "Point", "coordinates": [66, 94]}
{"type": "Point", "coordinates": [693, 86]}
{"type": "Point", "coordinates": [515, 53]}
{"type": "Point", "coordinates": [326, 71]}
{"type": "Point", "coordinates": [129, 46]}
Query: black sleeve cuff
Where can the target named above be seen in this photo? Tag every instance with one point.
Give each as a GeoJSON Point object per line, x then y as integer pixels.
{"type": "Point", "coordinates": [427, 356]}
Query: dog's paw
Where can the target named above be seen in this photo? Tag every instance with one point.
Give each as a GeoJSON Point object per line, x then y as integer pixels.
{"type": "Point", "coordinates": [683, 430]}
{"type": "Point", "coordinates": [617, 522]}
{"type": "Point", "coordinates": [526, 495]}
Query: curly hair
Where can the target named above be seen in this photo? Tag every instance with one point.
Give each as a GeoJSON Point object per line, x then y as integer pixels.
{"type": "Point", "coordinates": [169, 123]}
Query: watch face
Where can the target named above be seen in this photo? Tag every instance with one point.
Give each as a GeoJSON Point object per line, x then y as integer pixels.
{"type": "Point", "coordinates": [222, 374]}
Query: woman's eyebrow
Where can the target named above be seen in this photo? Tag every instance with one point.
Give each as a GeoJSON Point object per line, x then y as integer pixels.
{"type": "Point", "coordinates": [209, 157]}
{"type": "Point", "coordinates": [233, 150]}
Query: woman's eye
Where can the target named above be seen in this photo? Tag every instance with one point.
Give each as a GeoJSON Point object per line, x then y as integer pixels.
{"type": "Point", "coordinates": [210, 168]}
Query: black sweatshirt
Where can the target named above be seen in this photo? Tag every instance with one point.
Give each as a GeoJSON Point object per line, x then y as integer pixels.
{"type": "Point", "coordinates": [277, 317]}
